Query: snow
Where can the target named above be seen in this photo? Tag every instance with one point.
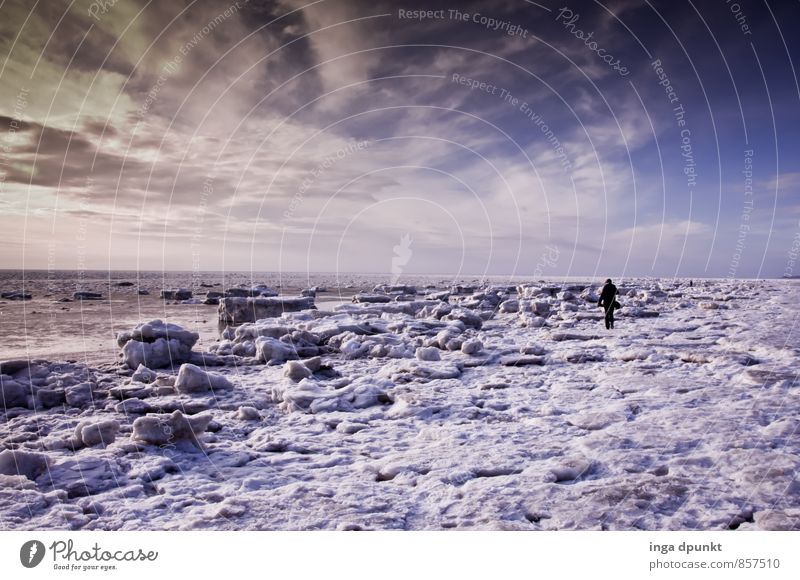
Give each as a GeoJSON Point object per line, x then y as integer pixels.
{"type": "Point", "coordinates": [427, 414]}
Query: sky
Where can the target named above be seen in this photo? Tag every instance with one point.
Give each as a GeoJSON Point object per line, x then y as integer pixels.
{"type": "Point", "coordinates": [510, 138]}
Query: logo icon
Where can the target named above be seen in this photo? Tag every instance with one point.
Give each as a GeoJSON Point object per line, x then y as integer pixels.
{"type": "Point", "coordinates": [31, 553]}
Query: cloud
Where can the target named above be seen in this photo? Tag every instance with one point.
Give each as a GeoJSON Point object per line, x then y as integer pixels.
{"type": "Point", "coordinates": [160, 120]}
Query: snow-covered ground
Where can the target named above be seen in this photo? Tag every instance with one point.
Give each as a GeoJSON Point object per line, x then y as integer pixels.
{"type": "Point", "coordinates": [488, 408]}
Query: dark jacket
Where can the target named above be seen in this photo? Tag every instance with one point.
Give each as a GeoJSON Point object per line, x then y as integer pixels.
{"type": "Point", "coordinates": [607, 295]}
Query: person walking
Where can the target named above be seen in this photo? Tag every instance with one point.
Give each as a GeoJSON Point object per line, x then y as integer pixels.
{"type": "Point", "coordinates": [608, 300]}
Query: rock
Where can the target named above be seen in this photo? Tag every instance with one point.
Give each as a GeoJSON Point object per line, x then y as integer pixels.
{"type": "Point", "coordinates": [14, 393]}
{"type": "Point", "coordinates": [83, 295]}
{"type": "Point", "coordinates": [164, 429]}
{"type": "Point", "coordinates": [248, 414]}
{"type": "Point", "coordinates": [521, 360]}
{"type": "Point", "coordinates": [79, 395]}
{"type": "Point", "coordinates": [143, 292]}
{"type": "Point", "coordinates": [123, 284]}
{"type": "Point", "coordinates": [472, 346]}
{"type": "Point", "coordinates": [428, 353]}
{"type": "Point", "coordinates": [296, 371]}
{"type": "Point", "coordinates": [239, 310]}
{"type": "Point", "coordinates": [26, 463]}
{"type": "Point", "coordinates": [176, 294]}
{"type": "Point", "coordinates": [91, 434]}
{"type": "Point", "coordinates": [193, 379]}
{"type": "Point", "coordinates": [143, 374]}
{"type": "Point", "coordinates": [16, 295]}
{"type": "Point", "coordinates": [211, 301]}
{"type": "Point", "coordinates": [156, 344]}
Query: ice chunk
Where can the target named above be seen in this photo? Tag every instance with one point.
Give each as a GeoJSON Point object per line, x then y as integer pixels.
{"type": "Point", "coordinates": [79, 395]}
{"type": "Point", "coordinates": [309, 396]}
{"type": "Point", "coordinates": [296, 371]}
{"type": "Point", "coordinates": [471, 346]}
{"type": "Point", "coordinates": [193, 379]}
{"type": "Point", "coordinates": [143, 374]}
{"type": "Point", "coordinates": [273, 351]}
{"type": "Point", "coordinates": [14, 393]}
{"type": "Point", "coordinates": [16, 462]}
{"type": "Point", "coordinates": [156, 344]}
{"type": "Point", "coordinates": [428, 354]}
{"type": "Point", "coordinates": [102, 432]}
{"type": "Point", "coordinates": [247, 413]}
{"type": "Point", "coordinates": [239, 309]}
{"type": "Point", "coordinates": [163, 429]}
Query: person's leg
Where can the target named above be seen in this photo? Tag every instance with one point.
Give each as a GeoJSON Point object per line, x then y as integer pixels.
{"type": "Point", "coordinates": [611, 316]}
{"type": "Point", "coordinates": [609, 313]}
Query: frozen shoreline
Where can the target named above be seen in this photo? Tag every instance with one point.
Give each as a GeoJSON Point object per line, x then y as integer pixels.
{"type": "Point", "coordinates": [687, 420]}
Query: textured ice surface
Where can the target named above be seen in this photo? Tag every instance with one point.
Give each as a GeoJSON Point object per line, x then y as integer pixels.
{"type": "Point", "coordinates": [425, 414]}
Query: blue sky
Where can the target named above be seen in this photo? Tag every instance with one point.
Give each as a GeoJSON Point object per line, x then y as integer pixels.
{"type": "Point", "coordinates": [316, 136]}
